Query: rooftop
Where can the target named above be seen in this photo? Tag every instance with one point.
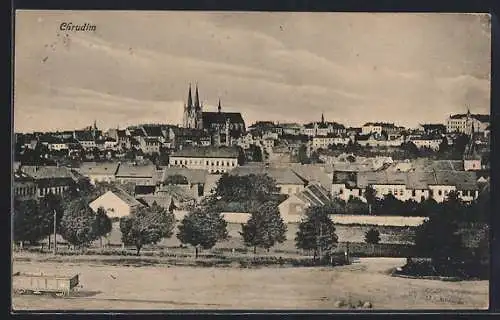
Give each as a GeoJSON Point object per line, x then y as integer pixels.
{"type": "Point", "coordinates": [281, 175]}
{"type": "Point", "coordinates": [110, 168]}
{"type": "Point", "coordinates": [127, 169]}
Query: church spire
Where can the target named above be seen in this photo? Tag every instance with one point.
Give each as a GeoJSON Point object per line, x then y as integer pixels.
{"type": "Point", "coordinates": [219, 107]}
{"type": "Point", "coordinates": [190, 98]}
{"type": "Point", "coordinates": [196, 98]}
{"type": "Point", "coordinates": [322, 118]}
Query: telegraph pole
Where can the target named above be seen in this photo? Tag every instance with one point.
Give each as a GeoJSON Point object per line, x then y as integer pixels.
{"type": "Point", "coordinates": [55, 232]}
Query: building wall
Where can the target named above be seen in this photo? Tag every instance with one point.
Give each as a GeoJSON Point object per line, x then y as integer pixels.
{"type": "Point", "coordinates": [100, 178]}
{"type": "Point", "coordinates": [292, 209]}
{"type": "Point", "coordinates": [290, 189]}
{"type": "Point", "coordinates": [25, 190]}
{"type": "Point", "coordinates": [371, 129]}
{"type": "Point", "coordinates": [41, 192]}
{"type": "Point", "coordinates": [472, 164]}
{"type": "Point", "coordinates": [432, 144]}
{"type": "Point", "coordinates": [213, 165]}
{"type": "Point", "coordinates": [145, 181]}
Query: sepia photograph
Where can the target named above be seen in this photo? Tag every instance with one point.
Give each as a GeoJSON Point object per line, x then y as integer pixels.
{"type": "Point", "coordinates": [217, 160]}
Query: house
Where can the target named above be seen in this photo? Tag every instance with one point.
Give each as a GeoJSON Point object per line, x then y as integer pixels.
{"type": "Point", "coordinates": [99, 171]}
{"type": "Point", "coordinates": [191, 180]}
{"type": "Point", "coordinates": [467, 123]}
{"type": "Point", "coordinates": [166, 193]}
{"type": "Point", "coordinates": [323, 142]}
{"type": "Point", "coordinates": [290, 128]}
{"type": "Point", "coordinates": [136, 173]}
{"type": "Point", "coordinates": [117, 203]}
{"type": "Point", "coordinates": [24, 187]}
{"type": "Point", "coordinates": [293, 208]}
{"type": "Point", "coordinates": [50, 179]}
{"type": "Point", "coordinates": [213, 159]}
{"type": "Point", "coordinates": [426, 141]}
{"type": "Point", "coordinates": [376, 140]}
{"type": "Point", "coordinates": [154, 131]}
{"type": "Point", "coordinates": [85, 139]}
{"type": "Point", "coordinates": [433, 129]}
{"type": "Point", "coordinates": [377, 128]}
{"type": "Point", "coordinates": [286, 179]}
{"type": "Point", "coordinates": [415, 185]}
{"type": "Point", "coordinates": [149, 145]}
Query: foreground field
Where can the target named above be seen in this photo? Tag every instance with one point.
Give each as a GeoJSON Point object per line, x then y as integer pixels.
{"type": "Point", "coordinates": [163, 287]}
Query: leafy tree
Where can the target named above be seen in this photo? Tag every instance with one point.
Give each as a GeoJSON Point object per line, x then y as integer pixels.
{"type": "Point", "coordinates": [372, 236]}
{"type": "Point", "coordinates": [439, 238]}
{"type": "Point", "coordinates": [302, 155]}
{"type": "Point", "coordinates": [241, 156]}
{"type": "Point", "coordinates": [48, 204]}
{"type": "Point", "coordinates": [202, 228]}
{"type": "Point", "coordinates": [371, 197]}
{"type": "Point", "coordinates": [104, 225]}
{"type": "Point", "coordinates": [78, 224]}
{"type": "Point", "coordinates": [30, 223]}
{"type": "Point", "coordinates": [316, 231]}
{"type": "Point", "coordinates": [265, 227]}
{"type": "Point", "coordinates": [459, 145]}
{"type": "Point", "coordinates": [147, 226]}
{"type": "Point", "coordinates": [256, 153]}
{"type": "Point", "coordinates": [444, 146]}
{"type": "Point", "coordinates": [356, 206]}
{"type": "Point", "coordinates": [410, 150]}
{"type": "Point", "coordinates": [232, 188]}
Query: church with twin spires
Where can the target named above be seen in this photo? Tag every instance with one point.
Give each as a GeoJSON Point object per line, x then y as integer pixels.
{"type": "Point", "coordinates": [223, 126]}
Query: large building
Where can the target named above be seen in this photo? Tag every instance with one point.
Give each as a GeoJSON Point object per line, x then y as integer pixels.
{"type": "Point", "coordinates": [467, 123]}
{"type": "Point", "coordinates": [223, 126]}
{"type": "Point", "coordinates": [214, 159]}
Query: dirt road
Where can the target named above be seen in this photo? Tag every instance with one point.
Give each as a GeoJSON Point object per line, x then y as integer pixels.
{"type": "Point", "coordinates": [162, 287]}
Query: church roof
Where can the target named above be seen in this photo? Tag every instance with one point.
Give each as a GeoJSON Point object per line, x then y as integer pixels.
{"type": "Point", "coordinates": [221, 117]}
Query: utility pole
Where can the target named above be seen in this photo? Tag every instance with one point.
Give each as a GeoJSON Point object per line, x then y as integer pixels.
{"type": "Point", "coordinates": [55, 232]}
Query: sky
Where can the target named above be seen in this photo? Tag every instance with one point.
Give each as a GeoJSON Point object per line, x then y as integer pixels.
{"type": "Point", "coordinates": [136, 67]}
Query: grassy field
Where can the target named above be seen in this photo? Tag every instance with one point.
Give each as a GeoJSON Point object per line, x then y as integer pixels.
{"type": "Point", "coordinates": [107, 287]}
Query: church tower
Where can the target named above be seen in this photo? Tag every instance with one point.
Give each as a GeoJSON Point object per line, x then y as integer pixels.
{"type": "Point", "coordinates": [193, 111]}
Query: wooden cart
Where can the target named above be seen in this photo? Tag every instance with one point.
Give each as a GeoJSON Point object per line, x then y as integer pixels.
{"type": "Point", "coordinates": [40, 283]}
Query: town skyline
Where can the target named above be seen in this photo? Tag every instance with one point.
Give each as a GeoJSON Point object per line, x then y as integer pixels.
{"type": "Point", "coordinates": [268, 66]}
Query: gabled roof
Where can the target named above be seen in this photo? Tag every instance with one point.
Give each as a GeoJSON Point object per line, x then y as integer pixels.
{"type": "Point", "coordinates": [84, 136]}
{"type": "Point", "coordinates": [131, 170]}
{"type": "Point", "coordinates": [314, 195]}
{"type": "Point", "coordinates": [122, 195]}
{"type": "Point", "coordinates": [153, 131]}
{"type": "Point", "coordinates": [193, 176]}
{"type": "Point", "coordinates": [109, 168]}
{"type": "Point", "coordinates": [47, 172]}
{"type": "Point", "coordinates": [178, 193]}
{"type": "Point", "coordinates": [281, 175]}
{"type": "Point", "coordinates": [312, 173]}
{"type": "Point", "coordinates": [206, 152]}
{"type": "Point", "coordinates": [216, 117]}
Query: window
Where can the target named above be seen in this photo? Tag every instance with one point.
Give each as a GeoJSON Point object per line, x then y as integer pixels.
{"type": "Point", "coordinates": [207, 162]}
{"type": "Point", "coordinates": [440, 192]}
{"type": "Point", "coordinates": [360, 192]}
{"type": "Point", "coordinates": [217, 163]}
{"type": "Point", "coordinates": [413, 193]}
{"type": "Point", "coordinates": [341, 191]}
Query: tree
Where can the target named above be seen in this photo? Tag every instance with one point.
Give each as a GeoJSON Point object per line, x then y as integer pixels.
{"type": "Point", "coordinates": [256, 153]}
{"type": "Point", "coordinates": [147, 226]}
{"type": "Point", "coordinates": [232, 188]}
{"type": "Point", "coordinates": [439, 238]}
{"type": "Point", "coordinates": [371, 197]}
{"type": "Point", "coordinates": [48, 204]}
{"type": "Point", "coordinates": [372, 236]}
{"type": "Point", "coordinates": [265, 227]}
{"type": "Point", "coordinates": [241, 156]}
{"type": "Point", "coordinates": [30, 223]}
{"type": "Point", "coordinates": [444, 146]}
{"type": "Point", "coordinates": [459, 146]}
{"type": "Point", "coordinates": [316, 231]}
{"type": "Point", "coordinates": [202, 228]}
{"type": "Point", "coordinates": [103, 224]}
{"type": "Point", "coordinates": [78, 224]}
{"type": "Point", "coordinates": [410, 150]}
{"type": "Point", "coordinates": [302, 155]}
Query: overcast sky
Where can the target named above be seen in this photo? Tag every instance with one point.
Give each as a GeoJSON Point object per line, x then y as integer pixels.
{"type": "Point", "coordinates": [286, 67]}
